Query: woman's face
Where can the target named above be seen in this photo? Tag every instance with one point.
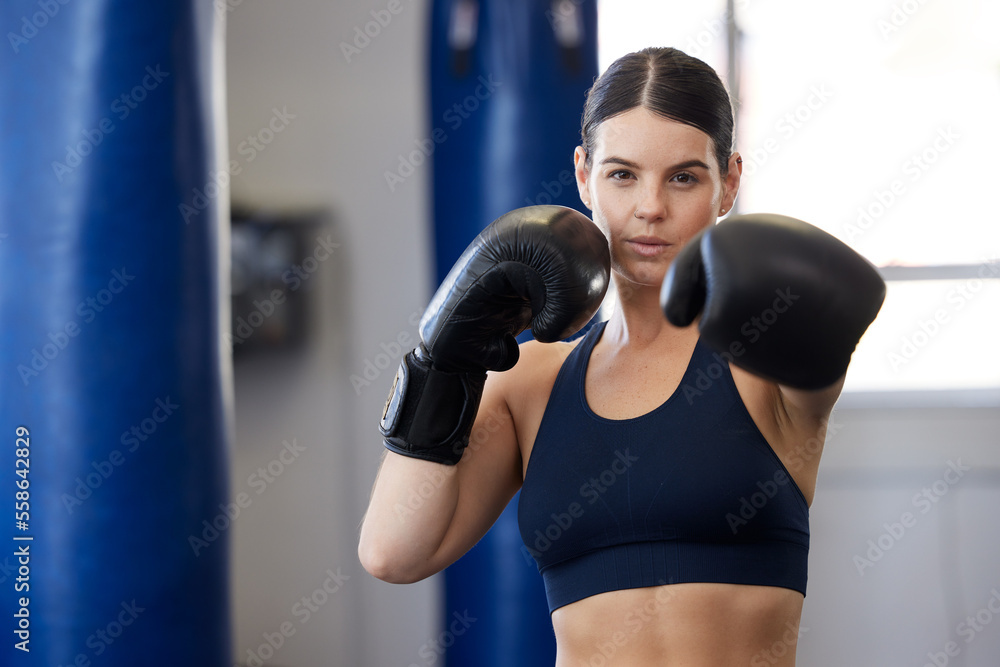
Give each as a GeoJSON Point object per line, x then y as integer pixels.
{"type": "Point", "coordinates": [652, 184]}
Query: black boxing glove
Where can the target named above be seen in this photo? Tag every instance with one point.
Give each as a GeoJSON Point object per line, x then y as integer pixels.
{"type": "Point", "coordinates": [782, 298]}
{"type": "Point", "coordinates": [543, 267]}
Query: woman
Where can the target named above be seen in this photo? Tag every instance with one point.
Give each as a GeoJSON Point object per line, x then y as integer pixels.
{"type": "Point", "coordinates": [665, 491]}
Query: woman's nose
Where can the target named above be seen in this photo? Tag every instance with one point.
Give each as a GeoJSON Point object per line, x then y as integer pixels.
{"type": "Point", "coordinates": [651, 205]}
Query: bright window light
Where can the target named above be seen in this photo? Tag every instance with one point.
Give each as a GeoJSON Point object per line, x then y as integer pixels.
{"type": "Point", "coordinates": [879, 125]}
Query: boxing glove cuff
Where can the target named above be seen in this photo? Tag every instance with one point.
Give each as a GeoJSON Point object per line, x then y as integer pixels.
{"type": "Point", "coordinates": [429, 412]}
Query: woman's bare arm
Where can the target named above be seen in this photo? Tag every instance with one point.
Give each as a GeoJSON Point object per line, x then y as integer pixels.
{"type": "Point", "coordinates": [423, 516]}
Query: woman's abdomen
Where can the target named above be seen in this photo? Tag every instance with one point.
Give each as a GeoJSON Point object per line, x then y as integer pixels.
{"type": "Point", "coordinates": [695, 625]}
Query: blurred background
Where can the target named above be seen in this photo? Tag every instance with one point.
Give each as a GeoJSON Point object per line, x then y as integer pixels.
{"type": "Point", "coordinates": [875, 120]}
{"type": "Point", "coordinates": [836, 104]}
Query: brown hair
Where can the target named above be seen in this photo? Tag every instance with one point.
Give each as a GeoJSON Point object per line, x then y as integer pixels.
{"type": "Point", "coordinates": [670, 83]}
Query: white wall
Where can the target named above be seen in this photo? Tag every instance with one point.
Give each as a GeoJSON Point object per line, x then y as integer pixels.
{"type": "Point", "coordinates": [936, 571]}
{"type": "Point", "coordinates": [351, 121]}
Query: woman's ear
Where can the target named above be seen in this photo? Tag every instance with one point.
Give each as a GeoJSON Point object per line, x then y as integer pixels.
{"type": "Point", "coordinates": [731, 183]}
{"type": "Point", "coordinates": [582, 176]}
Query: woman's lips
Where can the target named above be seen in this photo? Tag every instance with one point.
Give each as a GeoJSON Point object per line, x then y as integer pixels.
{"type": "Point", "coordinates": [648, 246]}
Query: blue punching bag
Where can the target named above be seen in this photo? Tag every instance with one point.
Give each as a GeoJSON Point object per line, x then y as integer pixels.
{"type": "Point", "coordinates": [114, 384]}
{"type": "Point", "coordinates": [508, 83]}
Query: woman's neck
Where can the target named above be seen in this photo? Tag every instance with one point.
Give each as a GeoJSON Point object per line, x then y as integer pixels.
{"type": "Point", "coordinates": [638, 321]}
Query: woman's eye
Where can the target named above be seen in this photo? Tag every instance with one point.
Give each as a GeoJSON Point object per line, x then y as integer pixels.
{"type": "Point", "coordinates": [685, 177]}
{"type": "Point", "coordinates": [620, 175]}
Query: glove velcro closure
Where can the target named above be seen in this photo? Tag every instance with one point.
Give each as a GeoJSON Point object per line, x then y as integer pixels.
{"type": "Point", "coordinates": [429, 412]}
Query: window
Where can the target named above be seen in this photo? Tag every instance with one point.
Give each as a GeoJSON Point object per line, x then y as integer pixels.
{"type": "Point", "coordinates": [878, 123]}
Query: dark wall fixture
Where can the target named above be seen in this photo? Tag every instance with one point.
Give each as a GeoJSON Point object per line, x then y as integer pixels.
{"type": "Point", "coordinates": [276, 259]}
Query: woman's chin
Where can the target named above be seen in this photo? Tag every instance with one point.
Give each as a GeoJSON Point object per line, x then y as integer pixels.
{"type": "Point", "coordinates": [635, 282]}
{"type": "Point", "coordinates": [644, 274]}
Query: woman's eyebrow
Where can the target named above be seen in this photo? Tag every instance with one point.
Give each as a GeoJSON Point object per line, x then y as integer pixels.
{"type": "Point", "coordinates": [611, 159]}
{"type": "Point", "coordinates": [687, 164]}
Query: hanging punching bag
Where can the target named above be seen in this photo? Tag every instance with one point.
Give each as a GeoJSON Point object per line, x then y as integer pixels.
{"type": "Point", "coordinates": [508, 83]}
{"type": "Point", "coordinates": [114, 387]}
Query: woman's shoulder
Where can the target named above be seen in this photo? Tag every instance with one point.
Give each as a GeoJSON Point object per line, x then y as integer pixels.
{"type": "Point", "coordinates": [527, 386]}
{"type": "Point", "coordinates": [540, 359]}
{"type": "Point", "coordinates": [533, 376]}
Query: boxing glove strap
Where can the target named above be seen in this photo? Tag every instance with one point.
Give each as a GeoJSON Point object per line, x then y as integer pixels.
{"type": "Point", "coordinates": [429, 412]}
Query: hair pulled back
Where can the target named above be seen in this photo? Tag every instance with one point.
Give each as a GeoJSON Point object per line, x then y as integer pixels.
{"type": "Point", "coordinates": [667, 82]}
